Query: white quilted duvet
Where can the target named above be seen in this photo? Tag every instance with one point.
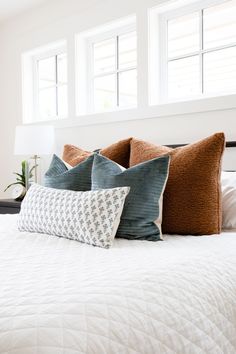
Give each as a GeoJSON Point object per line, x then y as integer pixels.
{"type": "Point", "coordinates": [59, 296]}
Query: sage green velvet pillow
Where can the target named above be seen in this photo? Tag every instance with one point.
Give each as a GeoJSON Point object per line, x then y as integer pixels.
{"type": "Point", "coordinates": [142, 213]}
{"type": "Point", "coordinates": [77, 178]}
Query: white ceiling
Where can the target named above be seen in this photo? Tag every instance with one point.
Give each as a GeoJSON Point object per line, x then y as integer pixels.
{"type": "Point", "coordinates": [10, 8]}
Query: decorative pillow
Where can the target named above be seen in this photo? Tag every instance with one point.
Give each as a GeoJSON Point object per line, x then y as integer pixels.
{"type": "Point", "coordinates": [192, 198]}
{"type": "Point", "coordinates": [90, 217]}
{"type": "Point", "coordinates": [77, 178]}
{"type": "Point", "coordinates": [118, 152]}
{"type": "Point", "coordinates": [141, 218]}
{"type": "Point", "coordinates": [228, 186]}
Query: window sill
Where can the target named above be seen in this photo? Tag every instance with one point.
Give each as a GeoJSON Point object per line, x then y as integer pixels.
{"type": "Point", "coordinates": [201, 105]}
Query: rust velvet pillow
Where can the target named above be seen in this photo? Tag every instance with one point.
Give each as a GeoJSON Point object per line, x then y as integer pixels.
{"type": "Point", "coordinates": [118, 152]}
{"type": "Point", "coordinates": [192, 198]}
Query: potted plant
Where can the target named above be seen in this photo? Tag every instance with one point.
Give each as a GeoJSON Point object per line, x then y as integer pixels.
{"type": "Point", "coordinates": [23, 180]}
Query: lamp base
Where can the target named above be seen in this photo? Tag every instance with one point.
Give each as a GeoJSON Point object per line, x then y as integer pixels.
{"type": "Point", "coordinates": [34, 169]}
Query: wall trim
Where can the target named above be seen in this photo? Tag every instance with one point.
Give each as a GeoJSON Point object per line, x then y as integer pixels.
{"type": "Point", "coordinates": [203, 105]}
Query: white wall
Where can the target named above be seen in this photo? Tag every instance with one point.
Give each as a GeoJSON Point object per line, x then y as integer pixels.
{"type": "Point", "coordinates": [60, 19]}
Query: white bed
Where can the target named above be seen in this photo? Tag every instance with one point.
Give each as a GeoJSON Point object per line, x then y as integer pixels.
{"type": "Point", "coordinates": [61, 296]}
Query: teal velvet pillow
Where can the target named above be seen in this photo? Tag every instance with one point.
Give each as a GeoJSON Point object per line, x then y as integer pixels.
{"type": "Point", "coordinates": [141, 218]}
{"type": "Point", "coordinates": [77, 178]}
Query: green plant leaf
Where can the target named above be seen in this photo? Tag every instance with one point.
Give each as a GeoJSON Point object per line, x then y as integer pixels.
{"type": "Point", "coordinates": [13, 184]}
{"type": "Point", "coordinates": [21, 178]}
{"type": "Point", "coordinates": [24, 168]}
{"type": "Point", "coordinates": [19, 175]}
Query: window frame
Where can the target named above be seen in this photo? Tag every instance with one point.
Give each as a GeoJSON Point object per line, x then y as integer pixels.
{"type": "Point", "coordinates": [91, 41]}
{"type": "Point", "coordinates": [198, 6]}
{"type": "Point", "coordinates": [144, 20]}
{"type": "Point", "coordinates": [46, 54]}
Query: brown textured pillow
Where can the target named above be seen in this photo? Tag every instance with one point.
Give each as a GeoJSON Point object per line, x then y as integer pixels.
{"type": "Point", "coordinates": [118, 152]}
{"type": "Point", "coordinates": [192, 198]}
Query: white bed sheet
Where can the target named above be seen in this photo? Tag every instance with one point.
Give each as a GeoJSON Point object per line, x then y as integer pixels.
{"type": "Point", "coordinates": [60, 296]}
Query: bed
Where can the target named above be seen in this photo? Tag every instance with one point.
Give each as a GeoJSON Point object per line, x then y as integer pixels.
{"type": "Point", "coordinates": [61, 296]}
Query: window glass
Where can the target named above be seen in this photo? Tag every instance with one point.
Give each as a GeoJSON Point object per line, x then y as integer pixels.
{"type": "Point", "coordinates": [105, 93]}
{"type": "Point", "coordinates": [200, 60]}
{"type": "Point", "coordinates": [52, 87]}
{"type": "Point", "coordinates": [220, 25]}
{"type": "Point", "coordinates": [47, 103]}
{"type": "Point", "coordinates": [62, 101]}
{"type": "Point", "coordinates": [220, 71]}
{"type": "Point", "coordinates": [184, 77]}
{"type": "Point", "coordinates": [114, 79]}
{"type": "Point", "coordinates": [128, 88]}
{"type": "Point", "coordinates": [62, 68]}
{"type": "Point", "coordinates": [183, 35]}
{"type": "Point", "coordinates": [104, 56]}
{"type": "Point", "coordinates": [47, 72]}
{"type": "Point", "coordinates": [127, 50]}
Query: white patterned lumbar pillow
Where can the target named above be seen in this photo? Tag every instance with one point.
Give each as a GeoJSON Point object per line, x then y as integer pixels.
{"type": "Point", "coordinates": [90, 217]}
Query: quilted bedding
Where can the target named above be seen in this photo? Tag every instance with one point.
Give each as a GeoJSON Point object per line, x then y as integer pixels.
{"type": "Point", "coordinates": [59, 296]}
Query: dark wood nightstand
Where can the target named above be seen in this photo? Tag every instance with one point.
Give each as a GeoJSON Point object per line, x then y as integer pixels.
{"type": "Point", "coordinates": [9, 206]}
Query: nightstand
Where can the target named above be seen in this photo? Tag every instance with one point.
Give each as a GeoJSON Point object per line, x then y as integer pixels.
{"type": "Point", "coordinates": [9, 206]}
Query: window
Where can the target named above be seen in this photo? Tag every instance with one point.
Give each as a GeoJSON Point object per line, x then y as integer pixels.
{"type": "Point", "coordinates": [52, 86]}
{"type": "Point", "coordinates": [114, 72]}
{"type": "Point", "coordinates": [198, 50]}
{"type": "Point", "coordinates": [45, 83]}
{"type": "Point", "coordinates": [110, 55]}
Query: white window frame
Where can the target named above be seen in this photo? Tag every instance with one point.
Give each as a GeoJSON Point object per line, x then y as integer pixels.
{"type": "Point", "coordinates": [159, 51]}
{"type": "Point", "coordinates": [90, 73]}
{"type": "Point", "coordinates": [30, 84]}
{"type": "Point", "coordinates": [53, 53]}
{"type": "Point", "coordinates": [84, 62]}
